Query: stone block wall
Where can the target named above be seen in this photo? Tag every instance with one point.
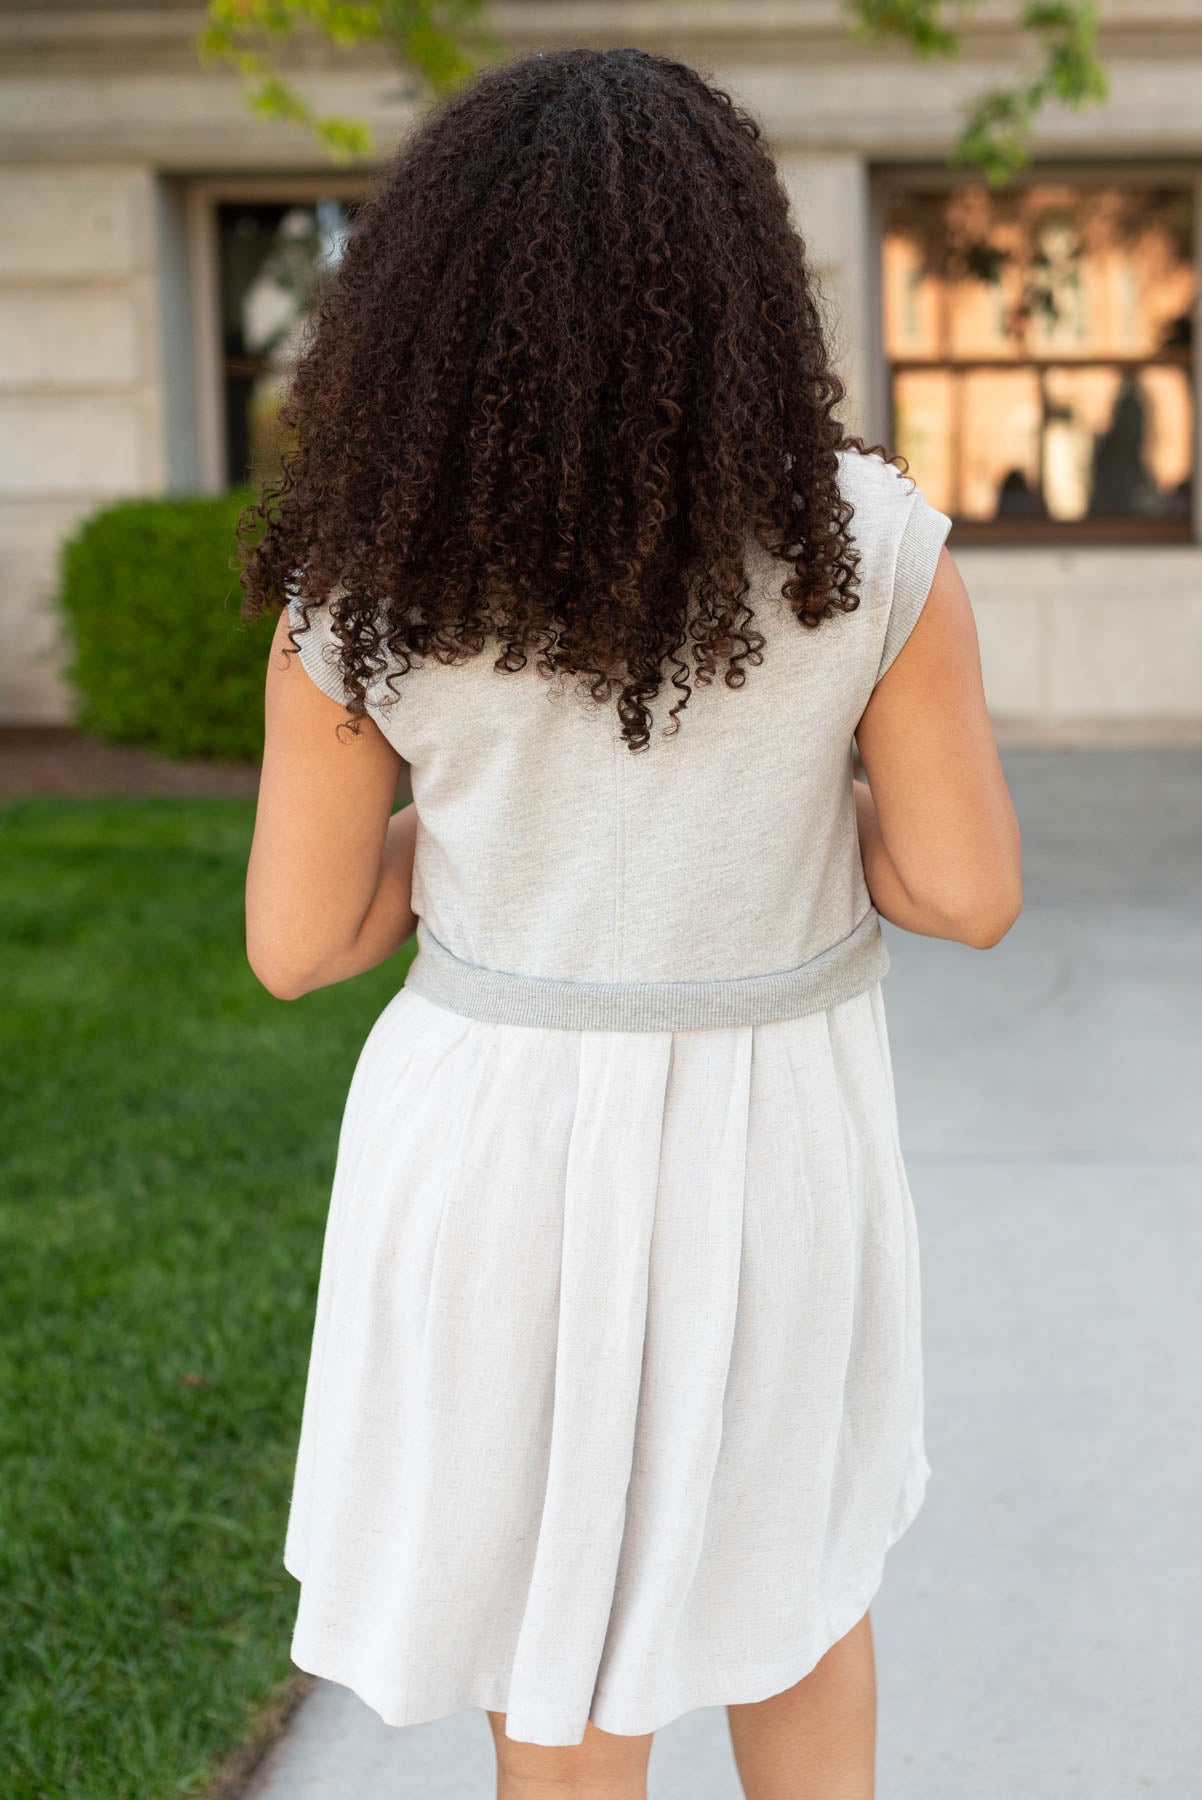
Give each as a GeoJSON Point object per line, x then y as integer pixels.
{"type": "Point", "coordinates": [80, 391]}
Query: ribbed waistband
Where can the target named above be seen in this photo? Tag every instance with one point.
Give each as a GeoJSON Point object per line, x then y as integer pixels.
{"type": "Point", "coordinates": [498, 996]}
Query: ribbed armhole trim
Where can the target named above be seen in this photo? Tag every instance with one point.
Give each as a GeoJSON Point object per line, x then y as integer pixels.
{"type": "Point", "coordinates": [318, 653]}
{"type": "Point", "coordinates": [923, 538]}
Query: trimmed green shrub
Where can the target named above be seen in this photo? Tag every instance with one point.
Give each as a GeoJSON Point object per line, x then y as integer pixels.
{"type": "Point", "coordinates": [162, 657]}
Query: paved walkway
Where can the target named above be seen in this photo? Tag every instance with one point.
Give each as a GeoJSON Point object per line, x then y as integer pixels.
{"type": "Point", "coordinates": [1038, 1627]}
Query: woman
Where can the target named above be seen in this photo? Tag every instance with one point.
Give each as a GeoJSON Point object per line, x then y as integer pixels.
{"type": "Point", "coordinates": [614, 1404]}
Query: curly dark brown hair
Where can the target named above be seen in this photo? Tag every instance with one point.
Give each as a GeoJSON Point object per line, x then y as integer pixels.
{"type": "Point", "coordinates": [570, 360]}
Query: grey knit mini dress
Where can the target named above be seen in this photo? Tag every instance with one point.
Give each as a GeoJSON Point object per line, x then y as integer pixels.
{"type": "Point", "coordinates": [614, 1405]}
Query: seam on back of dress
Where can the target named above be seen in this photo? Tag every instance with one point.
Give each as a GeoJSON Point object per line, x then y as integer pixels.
{"type": "Point", "coordinates": [617, 949]}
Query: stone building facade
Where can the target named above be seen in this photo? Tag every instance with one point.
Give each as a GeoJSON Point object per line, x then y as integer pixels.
{"type": "Point", "coordinates": [1052, 405]}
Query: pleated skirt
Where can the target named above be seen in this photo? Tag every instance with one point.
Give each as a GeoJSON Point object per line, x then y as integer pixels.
{"type": "Point", "coordinates": [614, 1404]}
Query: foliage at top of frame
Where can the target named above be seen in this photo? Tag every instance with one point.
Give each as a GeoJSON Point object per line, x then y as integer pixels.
{"type": "Point", "coordinates": [438, 43]}
{"type": "Point", "coordinates": [999, 124]}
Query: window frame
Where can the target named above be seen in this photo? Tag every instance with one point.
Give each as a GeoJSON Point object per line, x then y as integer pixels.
{"type": "Point", "coordinates": [203, 199]}
{"type": "Point", "coordinates": [1017, 533]}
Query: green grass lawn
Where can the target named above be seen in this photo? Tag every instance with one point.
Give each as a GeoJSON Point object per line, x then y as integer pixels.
{"type": "Point", "coordinates": [167, 1138]}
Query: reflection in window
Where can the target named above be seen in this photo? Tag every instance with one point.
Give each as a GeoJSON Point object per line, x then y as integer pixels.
{"type": "Point", "coordinates": [271, 261]}
{"type": "Point", "coordinates": [1039, 345]}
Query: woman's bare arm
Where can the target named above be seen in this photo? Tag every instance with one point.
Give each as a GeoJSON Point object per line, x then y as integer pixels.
{"type": "Point", "coordinates": [328, 883]}
{"type": "Point", "coordinates": [938, 832]}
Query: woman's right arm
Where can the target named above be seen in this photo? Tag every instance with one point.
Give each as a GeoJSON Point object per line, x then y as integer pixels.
{"type": "Point", "coordinates": [328, 885]}
{"type": "Point", "coordinates": [938, 833]}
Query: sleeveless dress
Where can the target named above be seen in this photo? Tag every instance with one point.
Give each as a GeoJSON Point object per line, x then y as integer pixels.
{"type": "Point", "coordinates": [614, 1405]}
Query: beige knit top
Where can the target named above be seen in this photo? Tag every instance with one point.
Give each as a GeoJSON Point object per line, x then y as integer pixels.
{"type": "Point", "coordinates": [546, 847]}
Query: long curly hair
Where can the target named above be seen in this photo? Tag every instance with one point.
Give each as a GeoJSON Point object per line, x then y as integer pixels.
{"type": "Point", "coordinates": [571, 358]}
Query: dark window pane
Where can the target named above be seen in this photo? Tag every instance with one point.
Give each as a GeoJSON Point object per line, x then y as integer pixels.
{"type": "Point", "coordinates": [271, 259]}
{"type": "Point", "coordinates": [237, 437]}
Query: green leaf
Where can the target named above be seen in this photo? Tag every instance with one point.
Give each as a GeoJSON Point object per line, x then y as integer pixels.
{"type": "Point", "coordinates": [917, 22]}
{"type": "Point", "coordinates": [440, 42]}
{"type": "Point", "coordinates": [999, 124]}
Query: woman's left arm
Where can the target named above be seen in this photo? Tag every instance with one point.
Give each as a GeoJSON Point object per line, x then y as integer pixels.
{"type": "Point", "coordinates": [330, 873]}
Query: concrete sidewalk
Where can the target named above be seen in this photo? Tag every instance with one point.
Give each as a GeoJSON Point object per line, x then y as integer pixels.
{"type": "Point", "coordinates": [1038, 1626]}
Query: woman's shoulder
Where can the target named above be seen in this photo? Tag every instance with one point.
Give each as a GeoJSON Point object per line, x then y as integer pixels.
{"type": "Point", "coordinates": [898, 537]}
{"type": "Point", "coordinates": [896, 531]}
{"type": "Point", "coordinates": [866, 479]}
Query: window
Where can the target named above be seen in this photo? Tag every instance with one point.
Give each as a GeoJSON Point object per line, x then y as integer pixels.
{"type": "Point", "coordinates": [1039, 346]}
{"type": "Point", "coordinates": [271, 257]}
